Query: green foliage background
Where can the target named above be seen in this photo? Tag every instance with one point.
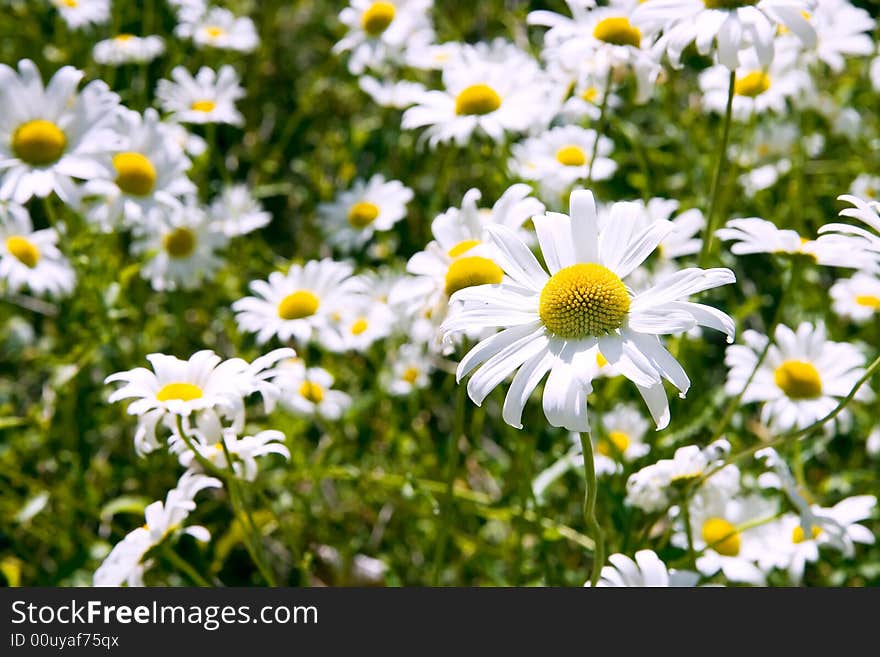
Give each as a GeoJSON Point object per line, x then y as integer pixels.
{"type": "Point", "coordinates": [374, 483]}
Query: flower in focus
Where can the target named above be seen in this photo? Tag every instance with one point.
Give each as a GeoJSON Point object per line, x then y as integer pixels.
{"type": "Point", "coordinates": [51, 135]}
{"type": "Point", "coordinates": [800, 380]}
{"type": "Point", "coordinates": [30, 259]}
{"type": "Point", "coordinates": [299, 304]}
{"type": "Point", "coordinates": [357, 213]}
{"type": "Point", "coordinates": [559, 322]}
{"type": "Point", "coordinates": [209, 97]}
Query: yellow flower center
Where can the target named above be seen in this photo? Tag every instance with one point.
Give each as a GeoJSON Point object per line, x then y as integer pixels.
{"type": "Point", "coordinates": [298, 305]}
{"type": "Point", "coordinates": [797, 534]}
{"type": "Point", "coordinates": [23, 249]}
{"type": "Point", "coordinates": [203, 106]}
{"type": "Point", "coordinates": [377, 17]}
{"type": "Point", "coordinates": [462, 247]}
{"type": "Point", "coordinates": [38, 142]}
{"type": "Point", "coordinates": [618, 31]}
{"type": "Point", "coordinates": [590, 94]}
{"type": "Point", "coordinates": [122, 38]}
{"type": "Point", "coordinates": [601, 361]}
{"type": "Point", "coordinates": [214, 31]}
{"type": "Point", "coordinates": [362, 214]}
{"type": "Point", "coordinates": [180, 242]}
{"type": "Point", "coordinates": [728, 4]}
{"type": "Point", "coordinates": [312, 391]}
{"type": "Point", "coordinates": [869, 301]}
{"type": "Point", "coordinates": [70, 3]}
{"type": "Point", "coordinates": [721, 536]}
{"type": "Point", "coordinates": [571, 156]}
{"type": "Point", "coordinates": [179, 391]}
{"type": "Point", "coordinates": [410, 375]}
{"type": "Point", "coordinates": [470, 271]}
{"type": "Point", "coordinates": [752, 84]}
{"type": "Point", "coordinates": [135, 174]}
{"type": "Point", "coordinates": [360, 325]}
{"type": "Point", "coordinates": [582, 300]}
{"type": "Point", "coordinates": [798, 379]}
{"type": "Point", "coordinates": [477, 99]}
{"type": "Point", "coordinates": [616, 443]}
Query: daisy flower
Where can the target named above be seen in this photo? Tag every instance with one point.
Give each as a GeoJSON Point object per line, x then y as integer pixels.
{"type": "Point", "coordinates": [50, 135]}
{"type": "Point", "coordinates": [646, 570]}
{"type": "Point", "coordinates": [387, 93]}
{"type": "Point", "coordinates": [857, 298]}
{"type": "Point", "coordinates": [801, 379]}
{"type": "Point", "coordinates": [125, 562]}
{"type": "Point", "coordinates": [300, 304]}
{"type": "Point", "coordinates": [82, 13]}
{"type": "Point", "coordinates": [731, 535]}
{"type": "Point", "coordinates": [560, 157]}
{"type": "Point", "coordinates": [757, 88]}
{"type": "Point", "coordinates": [30, 259]}
{"type": "Point", "coordinates": [861, 244]}
{"type": "Point", "coordinates": [866, 187]}
{"type": "Point", "coordinates": [379, 32]}
{"type": "Point", "coordinates": [558, 322]}
{"type": "Point", "coordinates": [209, 97]}
{"type": "Point", "coordinates": [734, 27]}
{"type": "Point", "coordinates": [411, 367]}
{"type": "Point", "coordinates": [309, 391]}
{"type": "Point", "coordinates": [149, 171]}
{"type": "Point", "coordinates": [128, 49]}
{"type": "Point", "coordinates": [842, 30]}
{"type": "Point", "coordinates": [209, 439]}
{"type": "Point", "coordinates": [755, 235]}
{"type": "Point", "coordinates": [236, 212]}
{"type": "Point", "coordinates": [202, 384]}
{"type": "Point", "coordinates": [220, 28]}
{"type": "Point", "coordinates": [184, 242]}
{"type": "Point", "coordinates": [430, 56]}
{"type": "Point", "coordinates": [357, 328]}
{"type": "Point", "coordinates": [357, 213]}
{"type": "Point", "coordinates": [479, 94]}
{"type": "Point", "coordinates": [623, 438]}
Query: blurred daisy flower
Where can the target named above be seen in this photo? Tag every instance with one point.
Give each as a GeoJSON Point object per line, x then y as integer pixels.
{"type": "Point", "coordinates": [82, 13]}
{"type": "Point", "coordinates": [30, 259]}
{"type": "Point", "coordinates": [387, 93]}
{"type": "Point", "coordinates": [757, 88]}
{"type": "Point", "coordinates": [309, 391]}
{"type": "Point", "coordinates": [801, 379]}
{"type": "Point", "coordinates": [860, 243]}
{"type": "Point", "coordinates": [148, 171]}
{"type": "Point", "coordinates": [356, 214]}
{"type": "Point", "coordinates": [128, 49]}
{"type": "Point", "coordinates": [857, 298]}
{"type": "Point", "coordinates": [684, 240]}
{"type": "Point", "coordinates": [209, 97]}
{"type": "Point", "coordinates": [559, 322]}
{"type": "Point", "coordinates": [50, 135]}
{"type": "Point", "coordinates": [431, 56]}
{"type": "Point", "coordinates": [358, 327]}
{"type": "Point", "coordinates": [842, 31]}
{"type": "Point", "coordinates": [735, 27]}
{"type": "Point", "coordinates": [181, 243]}
{"type": "Point", "coordinates": [646, 570]}
{"type": "Point", "coordinates": [379, 32]}
{"type": "Point", "coordinates": [220, 28]}
{"type": "Point", "coordinates": [560, 157]}
{"type": "Point", "coordinates": [236, 212]}
{"type": "Point", "coordinates": [300, 304]}
{"type": "Point", "coordinates": [411, 366]}
{"type": "Point", "coordinates": [204, 384]}
{"type": "Point", "coordinates": [124, 564]}
{"type": "Point", "coordinates": [622, 439]}
{"type": "Point", "coordinates": [866, 187]}
{"type": "Point", "coordinates": [480, 95]}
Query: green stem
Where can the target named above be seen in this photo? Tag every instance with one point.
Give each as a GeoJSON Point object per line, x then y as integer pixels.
{"type": "Point", "coordinates": [600, 126]}
{"type": "Point", "coordinates": [594, 530]}
{"type": "Point", "coordinates": [688, 530]}
{"type": "Point", "coordinates": [449, 496]}
{"type": "Point", "coordinates": [181, 564]}
{"type": "Point", "coordinates": [716, 178]}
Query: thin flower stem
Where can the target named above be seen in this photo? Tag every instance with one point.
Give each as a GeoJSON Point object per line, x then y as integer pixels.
{"type": "Point", "coordinates": [600, 126]}
{"type": "Point", "coordinates": [716, 177]}
{"type": "Point", "coordinates": [796, 433]}
{"type": "Point", "coordinates": [449, 496]}
{"type": "Point", "coordinates": [181, 564]}
{"type": "Point", "coordinates": [688, 530]}
{"type": "Point", "coordinates": [594, 530]}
